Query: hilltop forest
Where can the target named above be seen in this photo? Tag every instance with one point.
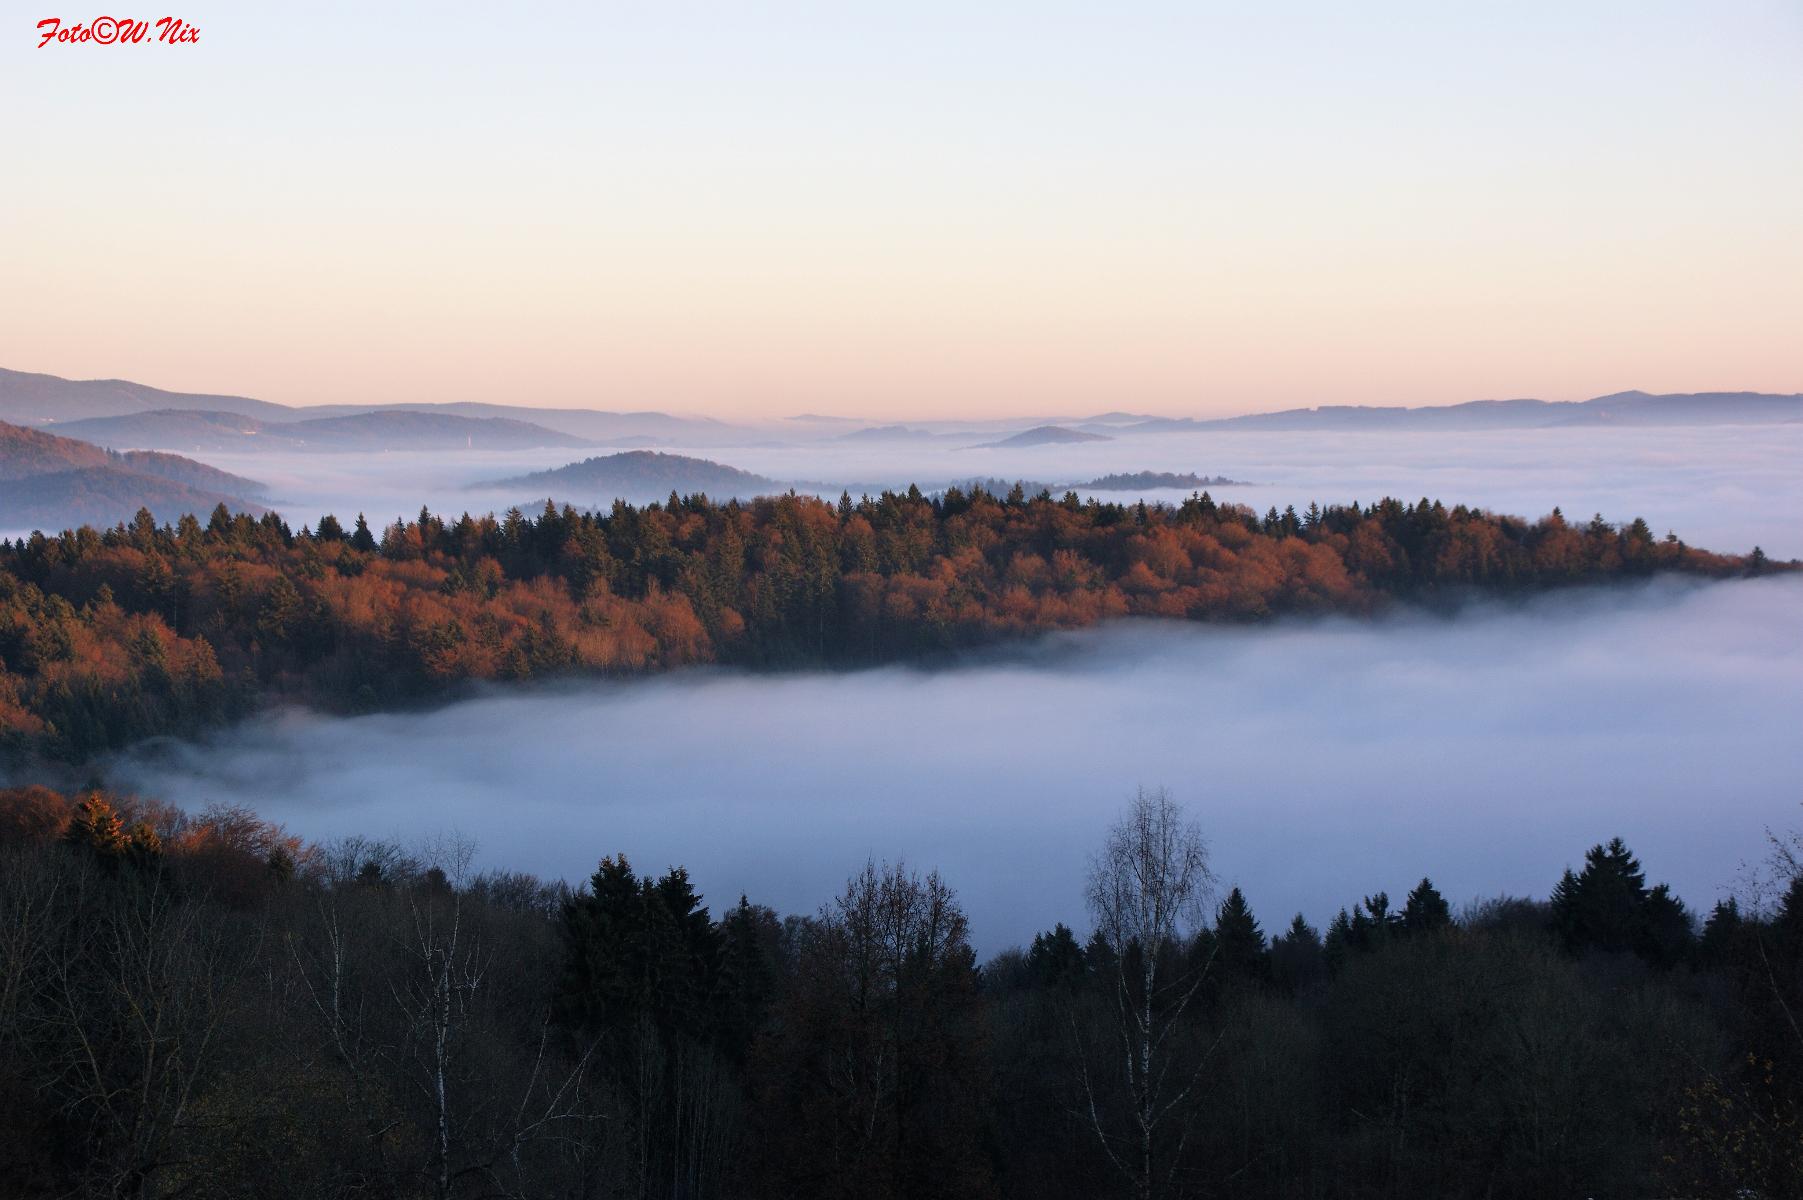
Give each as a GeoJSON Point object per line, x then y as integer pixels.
{"type": "Point", "coordinates": [107, 636]}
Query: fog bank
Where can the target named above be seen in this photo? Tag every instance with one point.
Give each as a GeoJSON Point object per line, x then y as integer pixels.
{"type": "Point", "coordinates": [1326, 759]}
{"type": "Point", "coordinates": [1725, 488]}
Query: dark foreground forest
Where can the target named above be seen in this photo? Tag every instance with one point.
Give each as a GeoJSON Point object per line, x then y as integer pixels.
{"type": "Point", "coordinates": [111, 636]}
{"type": "Point", "coordinates": [201, 1006]}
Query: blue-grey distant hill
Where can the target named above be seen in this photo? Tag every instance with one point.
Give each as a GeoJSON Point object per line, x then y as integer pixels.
{"type": "Point", "coordinates": [1619, 410]}
{"type": "Point", "coordinates": [389, 429]}
{"type": "Point", "coordinates": [889, 433]}
{"type": "Point", "coordinates": [47, 400]}
{"type": "Point", "coordinates": [28, 399]}
{"type": "Point", "coordinates": [1048, 435]}
{"type": "Point", "coordinates": [54, 483]}
{"type": "Point", "coordinates": [1152, 480]}
{"type": "Point", "coordinates": [637, 475]}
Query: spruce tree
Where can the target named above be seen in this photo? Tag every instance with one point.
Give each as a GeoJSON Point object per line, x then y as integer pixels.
{"type": "Point", "coordinates": [1426, 910]}
{"type": "Point", "coordinates": [1240, 947]}
{"type": "Point", "coordinates": [1298, 959]}
{"type": "Point", "coordinates": [1337, 946]}
{"type": "Point", "coordinates": [1665, 936]}
{"type": "Point", "coordinates": [1056, 960]}
{"type": "Point", "coordinates": [361, 538]}
{"type": "Point", "coordinates": [1600, 907]}
{"type": "Point", "coordinates": [1607, 906]}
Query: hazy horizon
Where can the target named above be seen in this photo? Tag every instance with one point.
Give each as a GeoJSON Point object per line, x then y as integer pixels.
{"type": "Point", "coordinates": [903, 417]}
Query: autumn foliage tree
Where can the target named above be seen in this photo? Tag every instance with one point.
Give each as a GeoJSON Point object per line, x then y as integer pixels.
{"type": "Point", "coordinates": [107, 636]}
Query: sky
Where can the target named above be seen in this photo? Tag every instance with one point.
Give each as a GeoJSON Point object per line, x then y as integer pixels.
{"type": "Point", "coordinates": [911, 210]}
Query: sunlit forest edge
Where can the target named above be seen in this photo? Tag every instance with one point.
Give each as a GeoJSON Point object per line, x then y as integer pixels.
{"type": "Point", "coordinates": [108, 636]}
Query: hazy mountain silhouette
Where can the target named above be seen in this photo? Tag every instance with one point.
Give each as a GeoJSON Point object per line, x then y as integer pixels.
{"type": "Point", "coordinates": [40, 400]}
{"type": "Point", "coordinates": [55, 482]}
{"type": "Point", "coordinates": [1639, 409]}
{"type": "Point", "coordinates": [1047, 435]}
{"type": "Point", "coordinates": [389, 429]}
{"type": "Point", "coordinates": [639, 474]}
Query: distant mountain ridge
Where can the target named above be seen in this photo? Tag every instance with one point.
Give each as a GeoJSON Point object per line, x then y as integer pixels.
{"type": "Point", "coordinates": [31, 399]}
{"type": "Point", "coordinates": [1620, 409]}
{"type": "Point", "coordinates": [186, 429]}
{"type": "Point", "coordinates": [39, 400]}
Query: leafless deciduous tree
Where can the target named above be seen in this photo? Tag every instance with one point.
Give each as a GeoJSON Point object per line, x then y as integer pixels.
{"type": "Point", "coordinates": [1148, 890]}
{"type": "Point", "coordinates": [137, 991]}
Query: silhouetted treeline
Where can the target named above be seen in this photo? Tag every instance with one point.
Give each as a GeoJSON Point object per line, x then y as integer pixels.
{"type": "Point", "coordinates": [109, 636]}
{"type": "Point", "coordinates": [200, 1005]}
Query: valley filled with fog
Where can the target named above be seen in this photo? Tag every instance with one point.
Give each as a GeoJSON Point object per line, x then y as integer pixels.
{"type": "Point", "coordinates": [1724, 487]}
{"type": "Point", "coordinates": [1326, 758]}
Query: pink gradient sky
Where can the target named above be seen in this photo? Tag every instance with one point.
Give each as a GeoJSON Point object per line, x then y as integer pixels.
{"type": "Point", "coordinates": [924, 212]}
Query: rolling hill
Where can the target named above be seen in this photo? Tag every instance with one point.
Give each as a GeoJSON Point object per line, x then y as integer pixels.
{"type": "Point", "coordinates": [25, 452]}
{"type": "Point", "coordinates": [888, 433]}
{"type": "Point", "coordinates": [103, 496]}
{"type": "Point", "coordinates": [187, 472]}
{"type": "Point", "coordinates": [51, 482]}
{"type": "Point", "coordinates": [390, 429]}
{"type": "Point", "coordinates": [638, 474]}
{"type": "Point", "coordinates": [1620, 410]}
{"type": "Point", "coordinates": [1045, 435]}
{"type": "Point", "coordinates": [31, 399]}
{"type": "Point", "coordinates": [41, 400]}
{"type": "Point", "coordinates": [1138, 480]}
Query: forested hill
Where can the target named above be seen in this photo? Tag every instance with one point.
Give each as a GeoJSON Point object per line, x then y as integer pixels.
{"type": "Point", "coordinates": [110, 636]}
{"type": "Point", "coordinates": [640, 475]}
{"type": "Point", "coordinates": [54, 482]}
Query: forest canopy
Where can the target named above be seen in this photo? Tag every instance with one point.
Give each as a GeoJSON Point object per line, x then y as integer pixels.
{"type": "Point", "coordinates": [107, 636]}
{"type": "Point", "coordinates": [202, 1005]}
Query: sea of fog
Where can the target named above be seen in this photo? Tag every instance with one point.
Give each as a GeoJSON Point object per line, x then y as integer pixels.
{"type": "Point", "coordinates": [1326, 759]}
{"type": "Point", "coordinates": [1723, 487]}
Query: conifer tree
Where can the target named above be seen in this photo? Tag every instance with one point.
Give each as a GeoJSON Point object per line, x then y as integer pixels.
{"type": "Point", "coordinates": [1373, 922]}
{"type": "Point", "coordinates": [1425, 910]}
{"type": "Point", "coordinates": [1239, 942]}
{"type": "Point", "coordinates": [98, 826]}
{"type": "Point", "coordinates": [1337, 945]}
{"type": "Point", "coordinates": [1601, 907]}
{"type": "Point", "coordinates": [1055, 960]}
{"type": "Point", "coordinates": [1298, 959]}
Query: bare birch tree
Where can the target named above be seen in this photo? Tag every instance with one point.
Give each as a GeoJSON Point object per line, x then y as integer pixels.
{"type": "Point", "coordinates": [1148, 889]}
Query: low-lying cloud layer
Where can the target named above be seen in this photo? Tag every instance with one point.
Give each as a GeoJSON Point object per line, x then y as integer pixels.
{"type": "Point", "coordinates": [1326, 759]}
{"type": "Point", "coordinates": [1726, 488]}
